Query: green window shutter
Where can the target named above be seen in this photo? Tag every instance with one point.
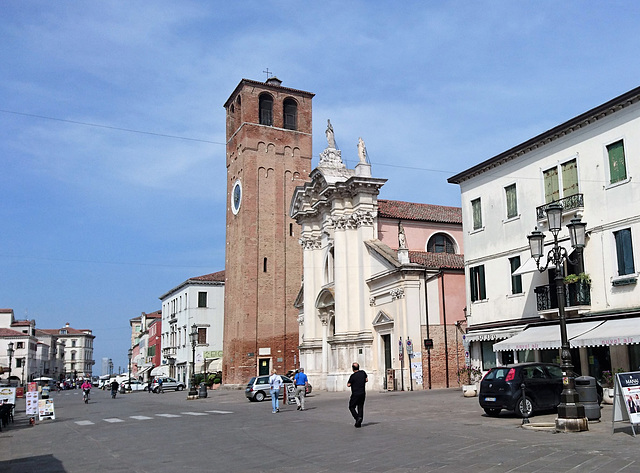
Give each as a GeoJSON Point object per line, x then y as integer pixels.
{"type": "Point", "coordinates": [473, 280]}
{"type": "Point", "coordinates": [476, 209]}
{"type": "Point", "coordinates": [569, 178]}
{"type": "Point", "coordinates": [516, 281]}
{"type": "Point", "coordinates": [512, 201]}
{"type": "Point", "coordinates": [482, 288]}
{"type": "Point", "coordinates": [617, 167]}
{"type": "Point", "coordinates": [551, 186]}
{"type": "Point", "coordinates": [624, 251]}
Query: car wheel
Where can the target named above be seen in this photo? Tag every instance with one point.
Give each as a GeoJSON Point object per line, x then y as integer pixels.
{"type": "Point", "coordinates": [180, 387]}
{"type": "Point", "coordinates": [492, 411]}
{"type": "Point", "coordinates": [526, 409]}
{"type": "Point", "coordinates": [259, 396]}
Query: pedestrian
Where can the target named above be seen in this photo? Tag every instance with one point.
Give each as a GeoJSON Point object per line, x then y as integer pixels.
{"type": "Point", "coordinates": [357, 382]}
{"type": "Point", "coordinates": [160, 390]}
{"type": "Point", "coordinates": [275, 383]}
{"type": "Point", "coordinates": [149, 388]}
{"type": "Point", "coordinates": [301, 381]}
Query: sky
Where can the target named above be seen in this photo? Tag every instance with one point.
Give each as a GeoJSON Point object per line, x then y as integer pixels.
{"type": "Point", "coordinates": [112, 126]}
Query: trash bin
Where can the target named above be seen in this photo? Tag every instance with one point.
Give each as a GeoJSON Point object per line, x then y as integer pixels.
{"type": "Point", "coordinates": [202, 392]}
{"type": "Point", "coordinates": [588, 396]}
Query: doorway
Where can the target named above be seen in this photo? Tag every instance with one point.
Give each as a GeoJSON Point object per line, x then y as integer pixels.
{"type": "Point", "coordinates": [386, 340]}
{"type": "Point", "coordinates": [263, 366]}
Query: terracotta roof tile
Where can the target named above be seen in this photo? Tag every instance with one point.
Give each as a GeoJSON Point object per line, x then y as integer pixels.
{"type": "Point", "coordinates": [218, 276]}
{"type": "Point", "coordinates": [7, 332]}
{"type": "Point", "coordinates": [437, 260]}
{"type": "Point", "coordinates": [413, 211]}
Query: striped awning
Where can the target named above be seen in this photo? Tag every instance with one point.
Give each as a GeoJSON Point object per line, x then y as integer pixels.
{"type": "Point", "coordinates": [611, 332]}
{"type": "Point", "coordinates": [544, 337]}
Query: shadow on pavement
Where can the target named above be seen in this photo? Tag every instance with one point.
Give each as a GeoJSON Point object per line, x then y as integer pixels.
{"type": "Point", "coordinates": [42, 463]}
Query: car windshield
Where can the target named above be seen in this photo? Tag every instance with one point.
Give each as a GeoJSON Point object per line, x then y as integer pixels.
{"type": "Point", "coordinates": [251, 381]}
{"type": "Point", "coordinates": [497, 373]}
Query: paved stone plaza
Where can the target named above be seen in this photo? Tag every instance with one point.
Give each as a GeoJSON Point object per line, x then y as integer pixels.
{"type": "Point", "coordinates": [419, 431]}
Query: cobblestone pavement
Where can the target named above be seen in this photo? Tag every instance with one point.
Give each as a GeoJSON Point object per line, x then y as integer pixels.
{"type": "Point", "coordinates": [420, 431]}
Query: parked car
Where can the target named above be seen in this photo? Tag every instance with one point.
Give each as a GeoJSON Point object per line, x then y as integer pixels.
{"type": "Point", "coordinates": [258, 388]}
{"type": "Point", "coordinates": [135, 385]}
{"type": "Point", "coordinates": [167, 384]}
{"type": "Point", "coordinates": [501, 388]}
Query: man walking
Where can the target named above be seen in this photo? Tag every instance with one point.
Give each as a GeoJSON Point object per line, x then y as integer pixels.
{"type": "Point", "coordinates": [301, 381]}
{"type": "Point", "coordinates": [357, 382]}
{"type": "Point", "coordinates": [275, 383]}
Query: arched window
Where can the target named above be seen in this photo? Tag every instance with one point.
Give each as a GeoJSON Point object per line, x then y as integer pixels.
{"type": "Point", "coordinates": [266, 110]}
{"type": "Point", "coordinates": [290, 113]}
{"type": "Point", "coordinates": [440, 243]}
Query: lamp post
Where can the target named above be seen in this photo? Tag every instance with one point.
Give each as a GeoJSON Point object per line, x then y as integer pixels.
{"type": "Point", "coordinates": [571, 414]}
{"type": "Point", "coordinates": [10, 352]}
{"type": "Point", "coordinates": [194, 340]}
{"type": "Point", "coordinates": [129, 353]}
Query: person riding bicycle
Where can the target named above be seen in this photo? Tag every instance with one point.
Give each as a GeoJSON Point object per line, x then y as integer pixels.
{"type": "Point", "coordinates": [86, 388]}
{"type": "Point", "coordinates": [114, 388]}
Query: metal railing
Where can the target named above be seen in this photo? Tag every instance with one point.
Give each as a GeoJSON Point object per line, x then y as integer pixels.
{"type": "Point", "coordinates": [572, 202]}
{"type": "Point", "coordinates": [577, 294]}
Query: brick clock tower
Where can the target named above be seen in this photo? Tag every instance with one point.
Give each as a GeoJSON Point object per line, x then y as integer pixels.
{"type": "Point", "coordinates": [268, 155]}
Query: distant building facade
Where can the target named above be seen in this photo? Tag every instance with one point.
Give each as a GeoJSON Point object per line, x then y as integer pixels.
{"type": "Point", "coordinates": [77, 345]}
{"type": "Point", "coordinates": [197, 303]}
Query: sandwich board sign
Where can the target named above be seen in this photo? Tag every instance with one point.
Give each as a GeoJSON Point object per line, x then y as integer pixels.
{"type": "Point", "coordinates": [626, 399]}
{"type": "Point", "coordinates": [46, 409]}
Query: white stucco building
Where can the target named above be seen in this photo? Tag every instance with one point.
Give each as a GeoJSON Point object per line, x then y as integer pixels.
{"type": "Point", "coordinates": [197, 301]}
{"type": "Point", "coordinates": [590, 166]}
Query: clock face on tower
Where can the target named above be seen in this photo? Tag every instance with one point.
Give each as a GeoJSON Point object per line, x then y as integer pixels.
{"type": "Point", "coordinates": [236, 197]}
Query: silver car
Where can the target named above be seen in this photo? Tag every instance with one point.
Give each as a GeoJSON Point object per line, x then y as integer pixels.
{"type": "Point", "coordinates": [167, 384]}
{"type": "Point", "coordinates": [258, 388]}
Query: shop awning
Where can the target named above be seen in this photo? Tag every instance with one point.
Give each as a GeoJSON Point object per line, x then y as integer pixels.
{"type": "Point", "coordinates": [492, 334]}
{"type": "Point", "coordinates": [144, 369]}
{"type": "Point", "coordinates": [545, 337]}
{"type": "Point", "coordinates": [611, 332]}
{"type": "Point", "coordinates": [529, 266]}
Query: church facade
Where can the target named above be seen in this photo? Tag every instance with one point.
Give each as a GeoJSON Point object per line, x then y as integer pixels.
{"type": "Point", "coordinates": [382, 280]}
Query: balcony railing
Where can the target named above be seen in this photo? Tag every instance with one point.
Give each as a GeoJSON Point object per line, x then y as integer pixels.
{"type": "Point", "coordinates": [577, 294]}
{"type": "Point", "coordinates": [572, 202]}
{"type": "Point", "coordinates": [169, 351]}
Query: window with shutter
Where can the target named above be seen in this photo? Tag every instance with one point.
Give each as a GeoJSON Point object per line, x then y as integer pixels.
{"type": "Point", "coordinates": [516, 281]}
{"type": "Point", "coordinates": [477, 281]}
{"type": "Point", "coordinates": [617, 166]}
{"type": "Point", "coordinates": [624, 252]}
{"type": "Point", "coordinates": [476, 209]}
{"type": "Point", "coordinates": [569, 178]}
{"type": "Point", "coordinates": [512, 201]}
{"type": "Point", "coordinates": [551, 185]}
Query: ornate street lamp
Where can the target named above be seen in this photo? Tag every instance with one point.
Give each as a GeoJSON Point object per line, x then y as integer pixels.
{"type": "Point", "coordinates": [571, 414]}
{"type": "Point", "coordinates": [10, 352]}
{"type": "Point", "coordinates": [194, 340]}
{"type": "Point", "coordinates": [129, 353]}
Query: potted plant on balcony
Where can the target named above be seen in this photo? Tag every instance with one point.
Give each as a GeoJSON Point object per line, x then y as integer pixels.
{"type": "Point", "coordinates": [470, 375]}
{"type": "Point", "coordinates": [573, 278]}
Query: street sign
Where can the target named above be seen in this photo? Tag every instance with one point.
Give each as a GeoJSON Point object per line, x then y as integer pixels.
{"type": "Point", "coordinates": [428, 343]}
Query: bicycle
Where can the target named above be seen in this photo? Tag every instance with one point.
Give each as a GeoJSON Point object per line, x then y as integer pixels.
{"type": "Point", "coordinates": [85, 396]}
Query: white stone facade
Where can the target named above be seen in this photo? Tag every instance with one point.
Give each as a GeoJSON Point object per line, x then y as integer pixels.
{"type": "Point", "coordinates": [198, 301]}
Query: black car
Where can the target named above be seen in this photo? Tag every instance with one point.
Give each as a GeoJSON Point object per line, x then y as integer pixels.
{"type": "Point", "coordinates": [500, 388]}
